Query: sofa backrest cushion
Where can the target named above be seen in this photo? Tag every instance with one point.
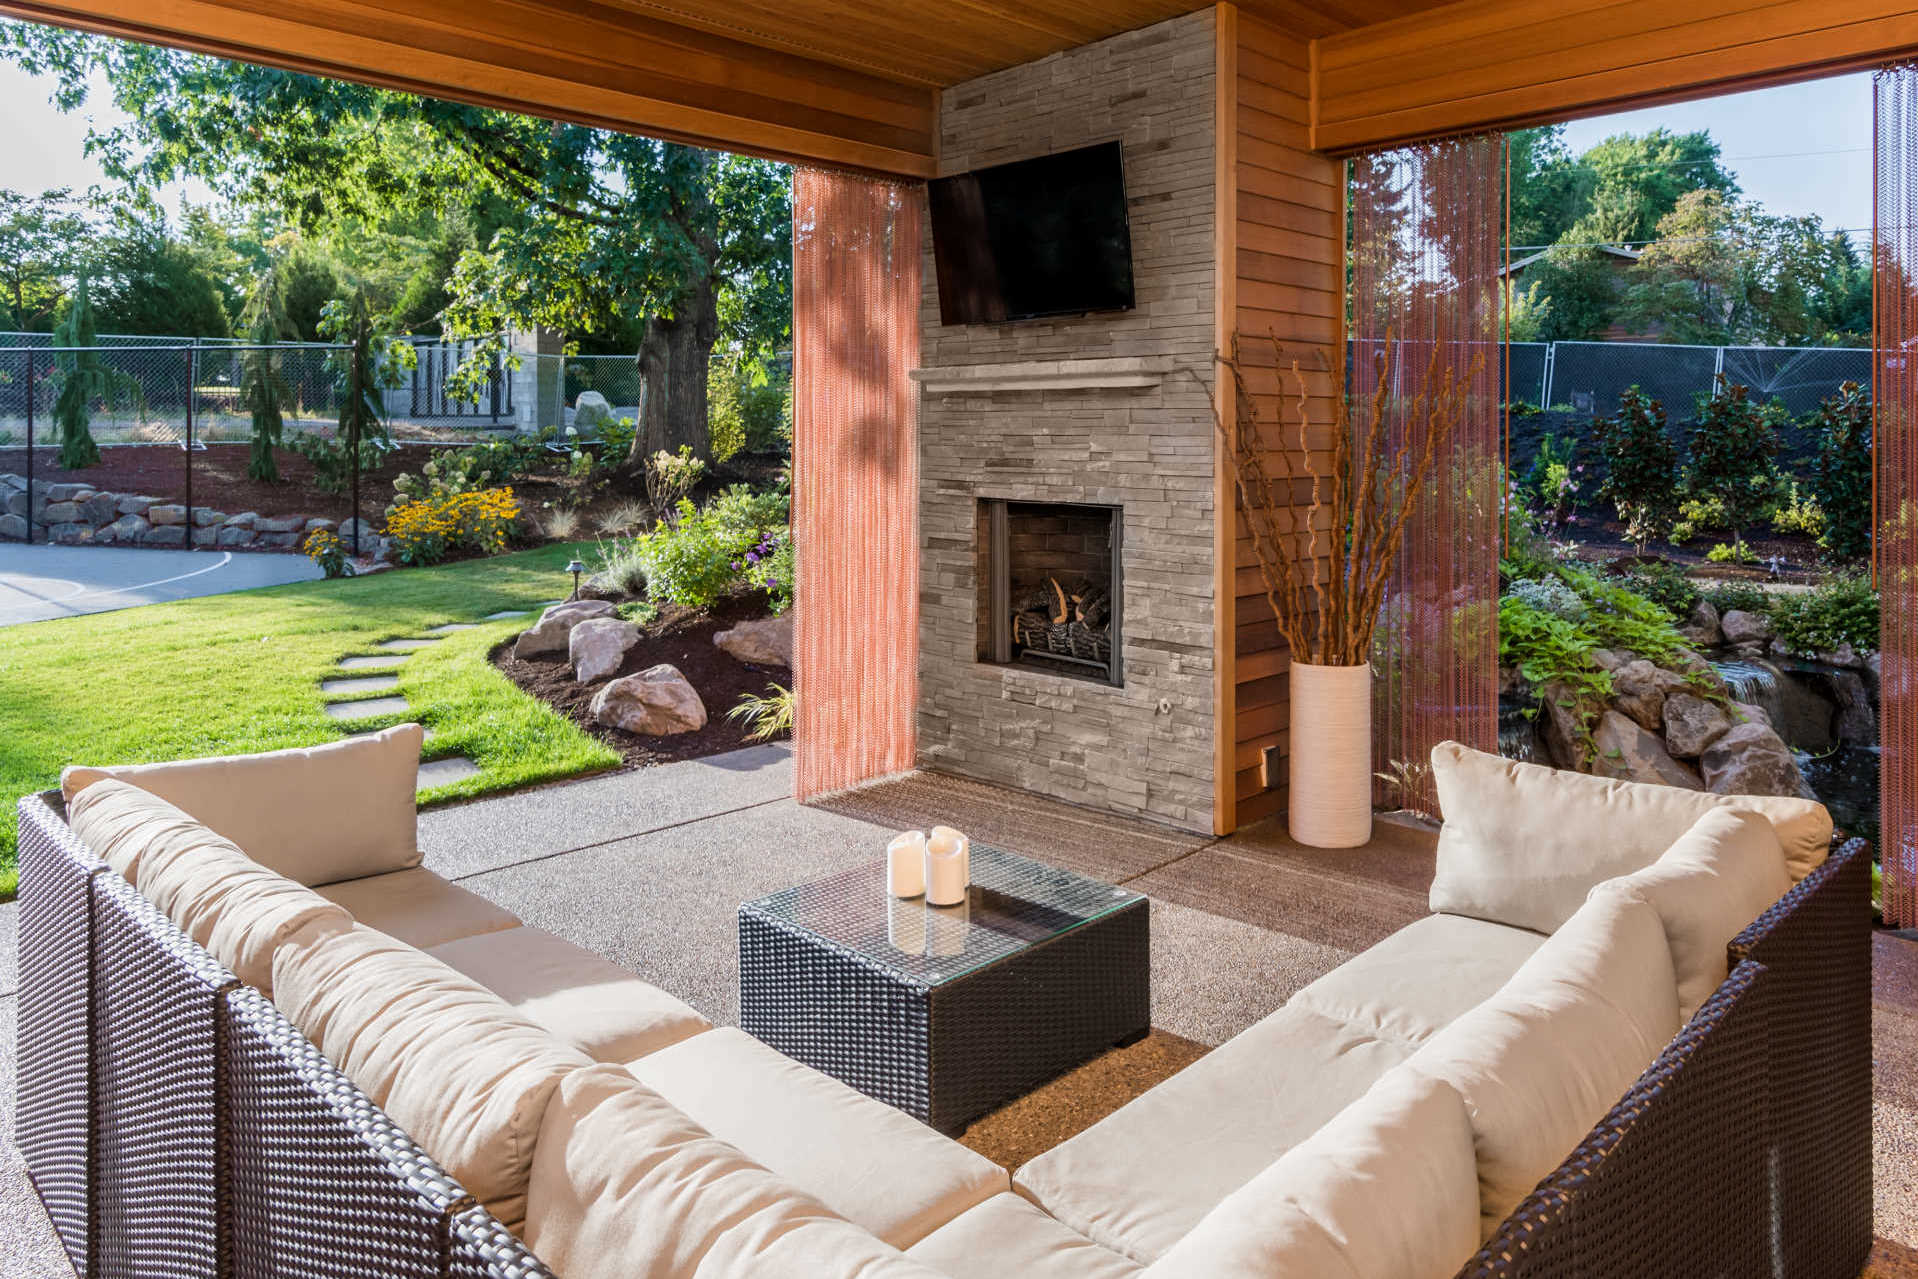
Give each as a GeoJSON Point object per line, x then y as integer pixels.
{"type": "Point", "coordinates": [1523, 844]}
{"type": "Point", "coordinates": [451, 1063]}
{"type": "Point", "coordinates": [1722, 874]}
{"type": "Point", "coordinates": [1386, 1189]}
{"type": "Point", "coordinates": [1543, 1060]}
{"type": "Point", "coordinates": [624, 1185]}
{"type": "Point", "coordinates": [221, 898]}
{"type": "Point", "coordinates": [314, 814]}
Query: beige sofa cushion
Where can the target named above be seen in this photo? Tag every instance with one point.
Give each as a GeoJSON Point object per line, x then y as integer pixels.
{"type": "Point", "coordinates": [1542, 1060]}
{"type": "Point", "coordinates": [624, 1186]}
{"type": "Point", "coordinates": [1721, 875]}
{"type": "Point", "coordinates": [418, 907]}
{"type": "Point", "coordinates": [1523, 844]}
{"type": "Point", "coordinates": [316, 814]}
{"type": "Point", "coordinates": [868, 1162]}
{"type": "Point", "coordinates": [1007, 1236]}
{"type": "Point", "coordinates": [1385, 1190]}
{"type": "Point", "coordinates": [462, 1073]}
{"type": "Point", "coordinates": [1422, 978]}
{"type": "Point", "coordinates": [591, 1003]}
{"type": "Point", "coordinates": [1143, 1176]}
{"type": "Point", "coordinates": [221, 898]}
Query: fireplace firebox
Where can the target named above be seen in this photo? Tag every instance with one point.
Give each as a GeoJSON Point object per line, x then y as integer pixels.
{"type": "Point", "coordinates": [1052, 572]}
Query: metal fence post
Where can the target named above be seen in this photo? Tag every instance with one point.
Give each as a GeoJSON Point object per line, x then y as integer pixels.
{"type": "Point", "coordinates": [1545, 379]}
{"type": "Point", "coordinates": [1718, 369]}
{"type": "Point", "coordinates": [29, 448]}
{"type": "Point", "coordinates": [192, 373]}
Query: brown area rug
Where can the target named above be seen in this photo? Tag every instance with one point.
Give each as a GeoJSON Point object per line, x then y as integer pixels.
{"type": "Point", "coordinates": [1890, 1260]}
{"type": "Point", "coordinates": [1096, 844]}
{"type": "Point", "coordinates": [1076, 1100]}
{"type": "Point", "coordinates": [1351, 898]}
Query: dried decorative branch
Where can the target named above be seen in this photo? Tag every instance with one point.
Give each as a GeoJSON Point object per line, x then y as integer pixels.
{"type": "Point", "coordinates": [1371, 496]}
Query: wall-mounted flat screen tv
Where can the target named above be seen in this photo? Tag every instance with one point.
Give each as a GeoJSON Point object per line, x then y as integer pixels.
{"type": "Point", "coordinates": [1033, 238]}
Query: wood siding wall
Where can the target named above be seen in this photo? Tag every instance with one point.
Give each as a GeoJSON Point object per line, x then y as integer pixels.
{"type": "Point", "coordinates": [1284, 264]}
{"type": "Point", "coordinates": [1503, 63]}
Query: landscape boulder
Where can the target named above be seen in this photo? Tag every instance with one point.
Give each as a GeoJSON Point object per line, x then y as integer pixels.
{"type": "Point", "coordinates": [1628, 751]}
{"type": "Point", "coordinates": [314, 525]}
{"type": "Point", "coordinates": [133, 504]}
{"type": "Point", "coordinates": [70, 534]}
{"type": "Point", "coordinates": [279, 524]}
{"type": "Point", "coordinates": [765, 641]}
{"type": "Point", "coordinates": [245, 519]}
{"type": "Point", "coordinates": [591, 412]}
{"type": "Point", "coordinates": [60, 512]}
{"type": "Point", "coordinates": [1751, 759]}
{"type": "Point", "coordinates": [658, 702]}
{"type": "Point", "coordinates": [347, 530]}
{"type": "Point", "coordinates": [1559, 728]}
{"type": "Point", "coordinates": [555, 626]}
{"type": "Point", "coordinates": [1692, 724]}
{"type": "Point", "coordinates": [206, 517]}
{"type": "Point", "coordinates": [164, 535]}
{"type": "Point", "coordinates": [598, 645]}
{"type": "Point", "coordinates": [207, 534]}
{"type": "Point", "coordinates": [1703, 628]}
{"type": "Point", "coordinates": [13, 528]}
{"type": "Point", "coordinates": [166, 513]}
{"type": "Point", "coordinates": [1741, 627]}
{"type": "Point", "coordinates": [67, 492]}
{"type": "Point", "coordinates": [1639, 689]}
{"type": "Point", "coordinates": [98, 509]}
{"type": "Point", "coordinates": [230, 536]}
{"type": "Point", "coordinates": [126, 530]}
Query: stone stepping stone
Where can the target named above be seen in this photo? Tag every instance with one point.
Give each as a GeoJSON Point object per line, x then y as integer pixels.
{"type": "Point", "coordinates": [372, 663]}
{"type": "Point", "coordinates": [451, 627]}
{"type": "Point", "coordinates": [366, 709]}
{"type": "Point", "coordinates": [441, 772]}
{"type": "Point", "coordinates": [362, 684]}
{"type": "Point", "coordinates": [405, 645]}
{"type": "Point", "coordinates": [511, 612]}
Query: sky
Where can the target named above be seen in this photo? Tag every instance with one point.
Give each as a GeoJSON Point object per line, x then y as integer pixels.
{"type": "Point", "coordinates": [44, 148]}
{"type": "Point", "coordinates": [1796, 149]}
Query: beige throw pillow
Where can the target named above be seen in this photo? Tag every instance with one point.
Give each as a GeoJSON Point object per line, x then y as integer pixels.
{"type": "Point", "coordinates": [448, 1060]}
{"type": "Point", "coordinates": [1543, 1060]}
{"type": "Point", "coordinates": [1388, 1186]}
{"type": "Point", "coordinates": [1723, 873]}
{"type": "Point", "coordinates": [1524, 845]}
{"type": "Point", "coordinates": [316, 814]}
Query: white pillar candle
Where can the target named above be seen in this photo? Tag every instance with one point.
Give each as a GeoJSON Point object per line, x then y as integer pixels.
{"type": "Point", "coordinates": [906, 864]}
{"type": "Point", "coordinates": [946, 928]}
{"type": "Point", "coordinates": [906, 925]}
{"type": "Point", "coordinates": [947, 870]}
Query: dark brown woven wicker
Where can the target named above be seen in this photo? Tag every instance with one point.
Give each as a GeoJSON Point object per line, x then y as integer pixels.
{"type": "Point", "coordinates": [51, 1116]}
{"type": "Point", "coordinates": [481, 1248]}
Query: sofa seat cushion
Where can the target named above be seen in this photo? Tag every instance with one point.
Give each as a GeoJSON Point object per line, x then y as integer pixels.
{"type": "Point", "coordinates": [315, 814]}
{"type": "Point", "coordinates": [1422, 978]}
{"type": "Point", "coordinates": [1546, 1057]}
{"type": "Point", "coordinates": [625, 1186]}
{"type": "Point", "coordinates": [221, 898]}
{"type": "Point", "coordinates": [418, 907]}
{"type": "Point", "coordinates": [465, 1076]}
{"type": "Point", "coordinates": [592, 1003]}
{"type": "Point", "coordinates": [1143, 1176]}
{"type": "Point", "coordinates": [869, 1163]}
{"type": "Point", "coordinates": [1523, 844]}
{"type": "Point", "coordinates": [1715, 880]}
{"type": "Point", "coordinates": [1006, 1236]}
{"type": "Point", "coordinates": [1387, 1189]}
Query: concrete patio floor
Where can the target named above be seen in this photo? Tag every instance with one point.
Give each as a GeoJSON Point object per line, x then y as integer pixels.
{"type": "Point", "coordinates": [648, 867]}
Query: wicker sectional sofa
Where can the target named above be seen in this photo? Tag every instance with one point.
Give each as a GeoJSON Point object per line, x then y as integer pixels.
{"type": "Point", "coordinates": [314, 1057]}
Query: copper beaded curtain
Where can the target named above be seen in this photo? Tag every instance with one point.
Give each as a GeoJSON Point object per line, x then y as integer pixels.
{"type": "Point", "coordinates": [1895, 467]}
{"type": "Point", "coordinates": [856, 280]}
{"type": "Point", "coordinates": [1426, 247]}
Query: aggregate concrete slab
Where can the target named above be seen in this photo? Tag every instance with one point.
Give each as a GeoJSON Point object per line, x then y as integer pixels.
{"type": "Point", "coordinates": [444, 772]}
{"type": "Point", "coordinates": [359, 684]}
{"type": "Point", "coordinates": [366, 709]}
{"type": "Point", "coordinates": [502, 829]}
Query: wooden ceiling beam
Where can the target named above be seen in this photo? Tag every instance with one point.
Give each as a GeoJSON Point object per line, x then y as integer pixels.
{"type": "Point", "coordinates": [582, 62]}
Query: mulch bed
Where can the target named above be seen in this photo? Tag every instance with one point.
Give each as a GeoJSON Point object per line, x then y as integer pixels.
{"type": "Point", "coordinates": [1601, 539]}
{"type": "Point", "coordinates": [684, 638]}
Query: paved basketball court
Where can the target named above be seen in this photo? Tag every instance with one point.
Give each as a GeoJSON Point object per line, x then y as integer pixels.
{"type": "Point", "coordinates": [41, 582]}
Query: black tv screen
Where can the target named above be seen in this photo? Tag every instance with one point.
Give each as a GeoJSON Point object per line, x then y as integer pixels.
{"type": "Point", "coordinates": [1033, 238]}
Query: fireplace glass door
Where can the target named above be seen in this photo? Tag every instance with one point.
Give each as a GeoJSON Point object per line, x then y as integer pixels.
{"type": "Point", "coordinates": [1053, 577]}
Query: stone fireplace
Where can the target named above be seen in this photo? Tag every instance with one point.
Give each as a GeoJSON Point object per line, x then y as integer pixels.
{"type": "Point", "coordinates": [1055, 587]}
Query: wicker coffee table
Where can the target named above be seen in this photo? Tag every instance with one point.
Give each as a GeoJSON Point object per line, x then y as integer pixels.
{"type": "Point", "coordinates": [949, 1012]}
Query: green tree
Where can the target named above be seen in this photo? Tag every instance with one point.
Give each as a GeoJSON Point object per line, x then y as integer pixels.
{"type": "Point", "coordinates": [40, 237]}
{"type": "Point", "coordinates": [150, 283]}
{"type": "Point", "coordinates": [601, 225]}
{"type": "Point", "coordinates": [1550, 189]}
{"type": "Point", "coordinates": [263, 387]}
{"type": "Point", "coordinates": [1636, 180]}
{"type": "Point", "coordinates": [309, 279]}
{"type": "Point", "coordinates": [81, 378]}
{"type": "Point", "coordinates": [1841, 476]}
{"type": "Point", "coordinates": [1641, 467]}
{"type": "Point", "coordinates": [1732, 446]}
{"type": "Point", "coordinates": [1575, 290]}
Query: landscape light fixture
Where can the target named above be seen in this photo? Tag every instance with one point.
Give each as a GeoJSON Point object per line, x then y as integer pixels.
{"type": "Point", "coordinates": [575, 568]}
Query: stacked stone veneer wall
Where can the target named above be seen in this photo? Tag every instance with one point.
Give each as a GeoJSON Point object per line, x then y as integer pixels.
{"type": "Point", "coordinates": [79, 514]}
{"type": "Point", "coordinates": [1145, 748]}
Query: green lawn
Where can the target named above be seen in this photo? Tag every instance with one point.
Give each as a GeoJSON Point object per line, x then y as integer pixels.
{"type": "Point", "coordinates": [234, 673]}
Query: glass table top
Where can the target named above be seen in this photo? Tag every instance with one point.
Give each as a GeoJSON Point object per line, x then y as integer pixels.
{"type": "Point", "coordinates": [1014, 903]}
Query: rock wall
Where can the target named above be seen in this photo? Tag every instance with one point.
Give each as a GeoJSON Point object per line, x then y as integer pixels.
{"type": "Point", "coordinates": [79, 515]}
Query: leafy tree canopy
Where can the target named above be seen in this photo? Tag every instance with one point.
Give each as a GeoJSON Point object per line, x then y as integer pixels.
{"type": "Point", "coordinates": [40, 239]}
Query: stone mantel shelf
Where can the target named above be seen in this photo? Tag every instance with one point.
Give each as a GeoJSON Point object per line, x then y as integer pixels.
{"type": "Point", "coordinates": [1046, 375]}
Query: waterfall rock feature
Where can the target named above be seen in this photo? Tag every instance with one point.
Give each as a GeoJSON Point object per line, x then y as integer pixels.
{"type": "Point", "coordinates": [1752, 760]}
{"type": "Point", "coordinates": [1627, 751]}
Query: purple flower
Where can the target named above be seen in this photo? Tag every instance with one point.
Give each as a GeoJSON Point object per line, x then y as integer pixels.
{"type": "Point", "coordinates": [738, 565]}
{"type": "Point", "coordinates": [752, 557]}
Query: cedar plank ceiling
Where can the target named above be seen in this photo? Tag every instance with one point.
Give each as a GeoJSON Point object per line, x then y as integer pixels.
{"type": "Point", "coordinates": [841, 82]}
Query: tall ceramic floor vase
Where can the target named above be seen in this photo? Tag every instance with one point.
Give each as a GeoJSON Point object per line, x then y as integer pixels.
{"type": "Point", "coordinates": [1330, 803]}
